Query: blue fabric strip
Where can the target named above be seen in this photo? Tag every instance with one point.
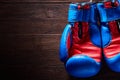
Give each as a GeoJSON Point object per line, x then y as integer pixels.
{"type": "Point", "coordinates": [75, 15]}
{"type": "Point", "coordinates": [86, 15]}
{"type": "Point", "coordinates": [108, 14]}
{"type": "Point", "coordinates": [93, 14]}
{"type": "Point", "coordinates": [113, 13]}
{"type": "Point", "coordinates": [119, 1]}
{"type": "Point", "coordinates": [80, 14]}
{"type": "Point", "coordinates": [102, 12]}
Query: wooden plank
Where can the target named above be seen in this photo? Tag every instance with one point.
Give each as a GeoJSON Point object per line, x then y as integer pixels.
{"type": "Point", "coordinates": [37, 57]}
{"type": "Point", "coordinates": [7, 1]}
{"type": "Point", "coordinates": [41, 62]}
{"type": "Point", "coordinates": [30, 50]}
{"type": "Point", "coordinates": [33, 11]}
{"type": "Point", "coordinates": [33, 18]}
{"type": "Point", "coordinates": [53, 26]}
{"type": "Point", "coordinates": [25, 45]}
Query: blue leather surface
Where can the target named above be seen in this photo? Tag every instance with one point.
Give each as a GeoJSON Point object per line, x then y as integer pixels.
{"type": "Point", "coordinates": [86, 15]}
{"type": "Point", "coordinates": [75, 15]}
{"type": "Point", "coordinates": [119, 1]}
{"type": "Point", "coordinates": [105, 35]}
{"type": "Point", "coordinates": [104, 28]}
{"type": "Point", "coordinates": [108, 14]}
{"type": "Point", "coordinates": [114, 63]}
{"type": "Point", "coordinates": [82, 66]}
{"type": "Point", "coordinates": [63, 51]}
{"type": "Point", "coordinates": [93, 27]}
{"type": "Point", "coordinates": [102, 12]}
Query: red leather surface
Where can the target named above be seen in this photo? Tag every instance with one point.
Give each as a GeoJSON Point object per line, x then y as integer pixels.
{"type": "Point", "coordinates": [84, 46]}
{"type": "Point", "coordinates": [68, 41]}
{"type": "Point", "coordinates": [114, 47]}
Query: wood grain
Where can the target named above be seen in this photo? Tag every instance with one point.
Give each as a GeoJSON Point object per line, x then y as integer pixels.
{"type": "Point", "coordinates": [30, 32]}
{"type": "Point", "coordinates": [31, 56]}
{"type": "Point", "coordinates": [37, 57]}
{"type": "Point", "coordinates": [46, 1]}
{"type": "Point", "coordinates": [33, 18]}
{"type": "Point", "coordinates": [33, 27]}
{"type": "Point", "coordinates": [33, 11]}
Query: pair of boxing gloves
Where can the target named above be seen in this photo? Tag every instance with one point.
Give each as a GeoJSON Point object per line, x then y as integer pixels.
{"type": "Point", "coordinates": [93, 30]}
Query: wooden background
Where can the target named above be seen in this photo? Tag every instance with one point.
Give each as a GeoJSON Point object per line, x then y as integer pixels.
{"type": "Point", "coordinates": [30, 31]}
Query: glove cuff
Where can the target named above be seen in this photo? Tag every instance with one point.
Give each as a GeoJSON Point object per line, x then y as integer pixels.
{"type": "Point", "coordinates": [78, 13]}
{"type": "Point", "coordinates": [109, 11]}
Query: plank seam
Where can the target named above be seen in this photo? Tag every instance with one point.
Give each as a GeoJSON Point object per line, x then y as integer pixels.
{"type": "Point", "coordinates": [53, 2]}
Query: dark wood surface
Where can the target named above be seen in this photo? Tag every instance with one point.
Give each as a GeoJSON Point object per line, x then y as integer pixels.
{"type": "Point", "coordinates": [30, 31]}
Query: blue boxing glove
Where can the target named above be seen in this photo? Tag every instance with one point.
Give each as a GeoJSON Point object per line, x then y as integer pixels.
{"type": "Point", "coordinates": [80, 45]}
{"type": "Point", "coordinates": [110, 32]}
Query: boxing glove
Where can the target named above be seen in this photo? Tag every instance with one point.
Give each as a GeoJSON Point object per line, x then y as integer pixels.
{"type": "Point", "coordinates": [110, 32]}
{"type": "Point", "coordinates": [80, 44]}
